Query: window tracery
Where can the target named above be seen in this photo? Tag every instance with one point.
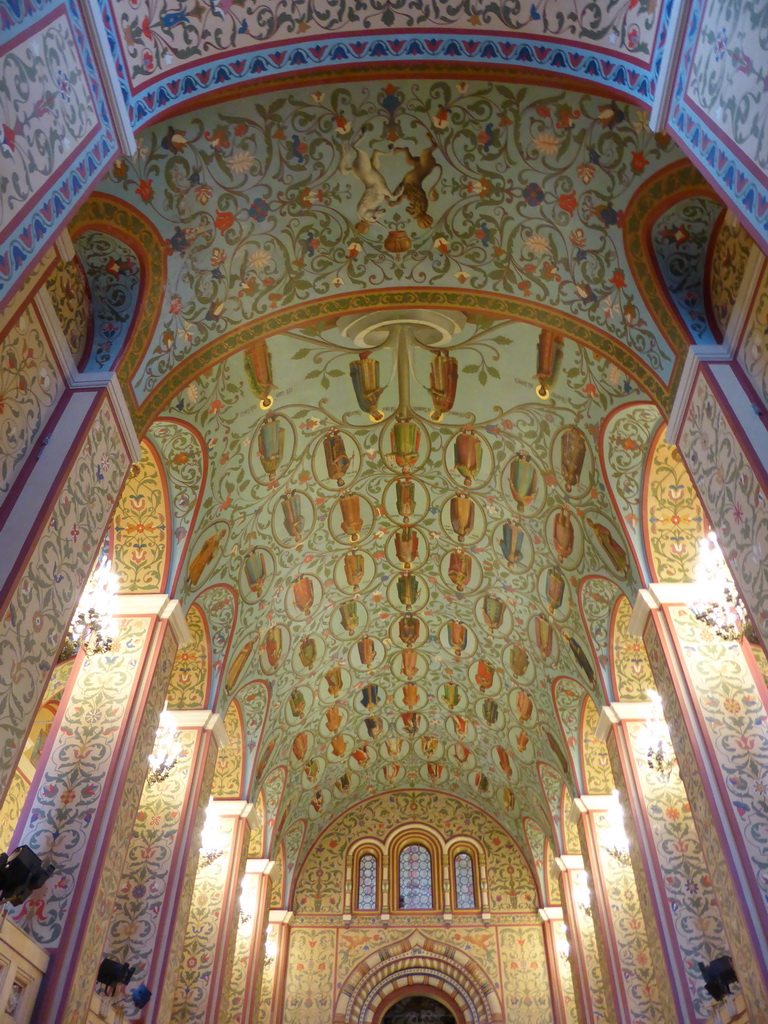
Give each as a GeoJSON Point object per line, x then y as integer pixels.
{"type": "Point", "coordinates": [464, 881]}
{"type": "Point", "coordinates": [415, 878]}
{"type": "Point", "coordinates": [367, 880]}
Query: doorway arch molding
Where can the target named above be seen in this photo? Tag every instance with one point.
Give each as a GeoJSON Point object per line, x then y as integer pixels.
{"type": "Point", "coordinates": [417, 961]}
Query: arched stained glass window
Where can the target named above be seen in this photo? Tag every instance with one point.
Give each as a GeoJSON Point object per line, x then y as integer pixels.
{"type": "Point", "coordinates": [415, 878]}
{"type": "Point", "coordinates": [366, 882]}
{"type": "Point", "coordinates": [464, 876]}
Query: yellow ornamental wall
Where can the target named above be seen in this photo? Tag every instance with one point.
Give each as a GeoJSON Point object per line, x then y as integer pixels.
{"type": "Point", "coordinates": [507, 947]}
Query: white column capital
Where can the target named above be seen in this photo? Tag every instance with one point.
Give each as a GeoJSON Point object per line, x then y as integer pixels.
{"type": "Point", "coordinates": [622, 711]}
{"type": "Point", "coordinates": [551, 913]}
{"type": "Point", "coordinates": [203, 719]}
{"type": "Point", "coordinates": [592, 803]}
{"type": "Point", "coordinates": [570, 862]}
{"type": "Point", "coordinates": [656, 596]}
{"type": "Point", "coordinates": [697, 354]}
{"type": "Point", "coordinates": [260, 866]}
{"type": "Point", "coordinates": [280, 916]}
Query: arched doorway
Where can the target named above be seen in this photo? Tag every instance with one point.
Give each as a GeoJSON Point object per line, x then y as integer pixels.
{"type": "Point", "coordinates": [418, 1009]}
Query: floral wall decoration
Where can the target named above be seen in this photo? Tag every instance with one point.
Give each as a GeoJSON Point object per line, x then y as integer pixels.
{"type": "Point", "coordinates": [140, 523]}
{"type": "Point", "coordinates": [114, 280]}
{"type": "Point", "coordinates": [239, 246]}
{"type": "Point", "coordinates": [753, 350]}
{"type": "Point", "coordinates": [67, 286]}
{"type": "Point", "coordinates": [190, 678]}
{"type": "Point", "coordinates": [629, 663]}
{"type": "Point", "coordinates": [228, 777]}
{"type": "Point", "coordinates": [676, 520]}
{"type": "Point", "coordinates": [730, 249]}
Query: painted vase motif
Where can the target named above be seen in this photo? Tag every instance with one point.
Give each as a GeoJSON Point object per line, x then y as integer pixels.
{"type": "Point", "coordinates": [562, 534]}
{"type": "Point", "coordinates": [573, 448]}
{"type": "Point", "coordinates": [458, 636]}
{"type": "Point", "coordinates": [405, 497]}
{"type": "Point", "coordinates": [297, 704]}
{"type": "Point", "coordinates": [293, 520]}
{"type": "Point", "coordinates": [303, 594]}
{"type": "Point", "coordinates": [369, 695]}
{"type": "Point", "coordinates": [407, 589]}
{"type": "Point", "coordinates": [493, 611]}
{"type": "Point", "coordinates": [308, 652]}
{"type": "Point", "coordinates": [409, 664]}
{"type": "Point", "coordinates": [408, 629]}
{"type": "Point", "coordinates": [435, 771]}
{"type": "Point", "coordinates": [365, 380]}
{"type": "Point", "coordinates": [451, 695]}
{"type": "Point", "coordinates": [271, 437]}
{"type": "Point", "coordinates": [334, 680]}
{"type": "Point", "coordinates": [336, 459]}
{"type": "Point", "coordinates": [273, 645]}
{"type": "Point", "coordinates": [366, 650]}
{"type": "Point", "coordinates": [405, 439]}
{"type": "Point", "coordinates": [543, 631]}
{"type": "Point", "coordinates": [467, 455]}
{"type": "Point", "coordinates": [459, 568]}
{"type": "Point", "coordinates": [349, 617]}
{"type": "Point", "coordinates": [512, 538]}
{"type": "Point", "coordinates": [549, 356]}
{"type": "Point", "coordinates": [615, 552]}
{"type": "Point", "coordinates": [443, 377]}
{"type": "Point", "coordinates": [523, 480]}
{"type": "Point", "coordinates": [484, 675]}
{"type": "Point", "coordinates": [555, 588]}
{"type": "Point", "coordinates": [407, 546]}
{"type": "Point", "coordinates": [354, 568]}
{"type": "Point", "coordinates": [490, 711]}
{"type": "Point", "coordinates": [258, 369]}
{"type": "Point", "coordinates": [351, 520]}
{"type": "Point", "coordinates": [255, 571]}
{"type": "Point", "coordinates": [462, 514]}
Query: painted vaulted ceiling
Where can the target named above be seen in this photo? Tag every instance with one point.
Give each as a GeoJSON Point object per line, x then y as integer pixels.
{"type": "Point", "coordinates": [401, 560]}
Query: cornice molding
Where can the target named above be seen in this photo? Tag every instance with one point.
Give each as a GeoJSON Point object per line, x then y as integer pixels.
{"type": "Point", "coordinates": [551, 913]}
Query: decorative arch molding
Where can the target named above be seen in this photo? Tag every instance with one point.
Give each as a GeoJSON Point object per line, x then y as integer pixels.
{"type": "Point", "coordinates": [417, 961]}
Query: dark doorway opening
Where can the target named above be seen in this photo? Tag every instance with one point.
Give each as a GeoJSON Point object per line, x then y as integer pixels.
{"type": "Point", "coordinates": [418, 1010]}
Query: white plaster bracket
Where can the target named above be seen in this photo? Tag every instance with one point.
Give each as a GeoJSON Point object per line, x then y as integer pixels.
{"type": "Point", "coordinates": [64, 246]}
{"type": "Point", "coordinates": [260, 866]}
{"type": "Point", "coordinates": [570, 862]}
{"type": "Point", "coordinates": [174, 612]}
{"type": "Point", "coordinates": [645, 603]}
{"type": "Point", "coordinates": [621, 711]}
{"type": "Point", "coordinates": [742, 308]}
{"type": "Point", "coordinates": [551, 913]}
{"type": "Point", "coordinates": [280, 916]}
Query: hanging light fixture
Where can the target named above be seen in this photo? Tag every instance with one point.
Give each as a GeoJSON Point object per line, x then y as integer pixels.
{"type": "Point", "coordinates": [661, 755]}
{"type": "Point", "coordinates": [617, 844]}
{"type": "Point", "coordinates": [563, 948]}
{"type": "Point", "coordinates": [270, 946]}
{"type": "Point", "coordinates": [94, 627]}
{"type": "Point", "coordinates": [166, 751]}
{"type": "Point", "coordinates": [582, 894]}
{"type": "Point", "coordinates": [718, 606]}
{"type": "Point", "coordinates": [211, 845]}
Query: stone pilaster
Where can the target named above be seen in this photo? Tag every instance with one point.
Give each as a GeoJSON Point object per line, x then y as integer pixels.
{"type": "Point", "coordinates": [202, 984]}
{"type": "Point", "coordinates": [564, 1009]}
{"type": "Point", "coordinates": [593, 1002]}
{"type": "Point", "coordinates": [681, 915]}
{"type": "Point", "coordinates": [622, 939]}
{"type": "Point", "coordinates": [82, 805]}
{"type": "Point", "coordinates": [150, 914]}
{"type": "Point", "coordinates": [716, 709]}
{"type": "Point", "coordinates": [245, 986]}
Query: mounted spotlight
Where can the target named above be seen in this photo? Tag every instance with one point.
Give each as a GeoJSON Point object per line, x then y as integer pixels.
{"type": "Point", "coordinates": [717, 603]}
{"type": "Point", "coordinates": [21, 872]}
{"type": "Point", "coordinates": [112, 973]}
{"type": "Point", "coordinates": [166, 751]}
{"type": "Point", "coordinates": [718, 977]}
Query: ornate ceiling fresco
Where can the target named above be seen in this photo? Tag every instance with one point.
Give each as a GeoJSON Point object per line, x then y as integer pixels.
{"type": "Point", "coordinates": [403, 565]}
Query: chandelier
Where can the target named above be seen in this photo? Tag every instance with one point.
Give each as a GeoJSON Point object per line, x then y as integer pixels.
{"type": "Point", "coordinates": [617, 844]}
{"type": "Point", "coordinates": [166, 751]}
{"type": "Point", "coordinates": [94, 628]}
{"type": "Point", "coordinates": [582, 894]}
{"type": "Point", "coordinates": [270, 946]}
{"type": "Point", "coordinates": [661, 755]}
{"type": "Point", "coordinates": [719, 606]}
{"type": "Point", "coordinates": [211, 844]}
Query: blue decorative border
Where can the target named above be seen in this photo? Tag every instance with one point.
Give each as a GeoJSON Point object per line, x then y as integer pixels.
{"type": "Point", "coordinates": [32, 235]}
{"type": "Point", "coordinates": [273, 60]}
{"type": "Point", "coordinates": [721, 164]}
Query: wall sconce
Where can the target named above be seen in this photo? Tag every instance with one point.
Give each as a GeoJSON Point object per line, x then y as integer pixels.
{"type": "Point", "coordinates": [21, 872]}
{"type": "Point", "coordinates": [270, 946]}
{"type": "Point", "coordinates": [661, 755]}
{"type": "Point", "coordinates": [719, 607]}
{"type": "Point", "coordinates": [93, 627]}
{"type": "Point", "coordinates": [617, 844]}
{"type": "Point", "coordinates": [167, 749]}
{"type": "Point", "coordinates": [211, 845]}
{"type": "Point", "coordinates": [582, 893]}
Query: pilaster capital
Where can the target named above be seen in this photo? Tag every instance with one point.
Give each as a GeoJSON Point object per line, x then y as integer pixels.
{"type": "Point", "coordinates": [260, 866]}
{"type": "Point", "coordinates": [697, 354]}
{"type": "Point", "coordinates": [177, 620]}
{"type": "Point", "coordinates": [128, 605]}
{"type": "Point", "coordinates": [622, 711]}
{"type": "Point", "coordinates": [570, 862]}
{"type": "Point", "coordinates": [205, 720]}
{"type": "Point", "coordinates": [235, 809]}
{"type": "Point", "coordinates": [592, 803]}
{"type": "Point", "coordinates": [280, 916]}
{"type": "Point", "coordinates": [551, 913]}
{"type": "Point", "coordinates": [656, 596]}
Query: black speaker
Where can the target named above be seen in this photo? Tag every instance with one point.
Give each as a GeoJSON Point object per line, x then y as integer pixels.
{"type": "Point", "coordinates": [21, 872]}
{"type": "Point", "coordinates": [718, 976]}
{"type": "Point", "coordinates": [112, 973]}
